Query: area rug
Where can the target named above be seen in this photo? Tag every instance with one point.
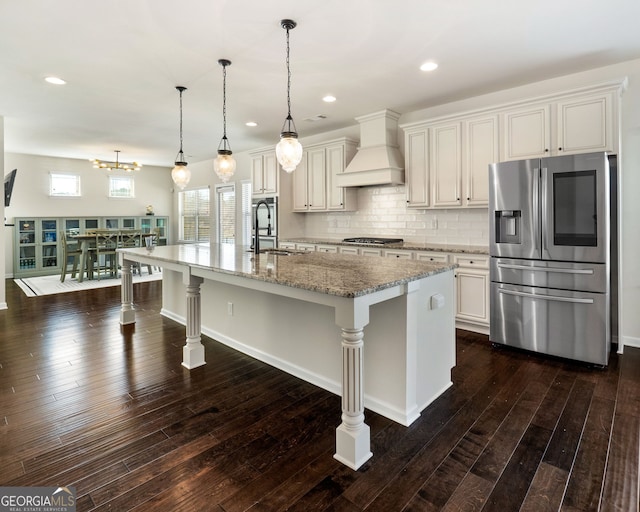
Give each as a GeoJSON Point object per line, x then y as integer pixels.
{"type": "Point", "coordinates": [48, 285]}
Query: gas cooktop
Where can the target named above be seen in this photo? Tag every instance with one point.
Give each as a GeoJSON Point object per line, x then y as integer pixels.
{"type": "Point", "coordinates": [373, 240]}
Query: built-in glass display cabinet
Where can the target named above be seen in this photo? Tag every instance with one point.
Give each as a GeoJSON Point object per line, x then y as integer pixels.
{"type": "Point", "coordinates": [37, 241]}
{"type": "Point", "coordinates": [37, 245]}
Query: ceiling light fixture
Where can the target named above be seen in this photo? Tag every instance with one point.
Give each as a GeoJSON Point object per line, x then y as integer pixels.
{"type": "Point", "coordinates": [329, 98]}
{"type": "Point", "coordinates": [289, 149]}
{"type": "Point", "coordinates": [224, 164]}
{"type": "Point", "coordinates": [55, 80]}
{"type": "Point", "coordinates": [180, 174]}
{"type": "Point", "coordinates": [117, 165]}
{"type": "Point", "coordinates": [429, 66]}
{"type": "Point", "coordinates": [251, 123]}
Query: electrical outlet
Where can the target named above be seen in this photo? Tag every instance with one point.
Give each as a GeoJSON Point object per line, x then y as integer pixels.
{"type": "Point", "coordinates": [230, 308]}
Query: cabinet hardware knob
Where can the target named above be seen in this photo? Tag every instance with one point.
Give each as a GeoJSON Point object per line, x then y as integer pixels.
{"type": "Point", "coordinates": [546, 150]}
{"type": "Point", "coordinates": [468, 199]}
{"type": "Point", "coordinates": [559, 149]}
{"type": "Point", "coordinates": [471, 262]}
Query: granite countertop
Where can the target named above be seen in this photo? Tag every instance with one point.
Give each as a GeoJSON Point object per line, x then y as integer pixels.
{"type": "Point", "coordinates": [407, 246]}
{"type": "Point", "coordinates": [342, 275]}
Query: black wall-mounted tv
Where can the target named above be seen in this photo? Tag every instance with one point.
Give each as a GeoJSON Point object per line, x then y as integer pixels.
{"type": "Point", "coordinates": [9, 179]}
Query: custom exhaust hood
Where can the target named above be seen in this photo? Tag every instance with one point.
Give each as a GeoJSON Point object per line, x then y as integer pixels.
{"type": "Point", "coordinates": [378, 160]}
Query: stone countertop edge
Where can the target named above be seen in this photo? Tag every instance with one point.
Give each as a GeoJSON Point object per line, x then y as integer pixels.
{"type": "Point", "coordinates": [407, 246]}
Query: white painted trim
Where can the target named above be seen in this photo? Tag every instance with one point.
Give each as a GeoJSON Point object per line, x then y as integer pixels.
{"type": "Point", "coordinates": [630, 341]}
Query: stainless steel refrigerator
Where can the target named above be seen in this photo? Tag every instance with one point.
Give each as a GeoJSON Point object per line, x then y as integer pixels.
{"type": "Point", "coordinates": [553, 247]}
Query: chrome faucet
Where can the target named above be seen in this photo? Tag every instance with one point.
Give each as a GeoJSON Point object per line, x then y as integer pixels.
{"type": "Point", "coordinates": [256, 238]}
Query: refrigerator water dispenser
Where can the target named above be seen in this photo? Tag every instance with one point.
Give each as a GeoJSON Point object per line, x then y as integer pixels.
{"type": "Point", "coordinates": [508, 226]}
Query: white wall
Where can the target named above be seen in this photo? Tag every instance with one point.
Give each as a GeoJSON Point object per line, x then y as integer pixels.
{"type": "Point", "coordinates": [31, 198]}
{"type": "Point", "coordinates": [6, 231]}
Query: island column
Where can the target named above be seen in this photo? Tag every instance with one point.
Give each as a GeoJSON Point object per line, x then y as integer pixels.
{"type": "Point", "coordinates": [353, 434]}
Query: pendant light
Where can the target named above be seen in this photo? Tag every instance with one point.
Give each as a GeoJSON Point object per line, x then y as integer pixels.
{"type": "Point", "coordinates": [289, 149]}
{"type": "Point", "coordinates": [224, 164]}
{"type": "Point", "coordinates": [180, 174]}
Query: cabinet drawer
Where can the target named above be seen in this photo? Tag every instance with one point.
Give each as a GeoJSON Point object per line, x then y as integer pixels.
{"type": "Point", "coordinates": [435, 257]}
{"type": "Point", "coordinates": [404, 255]}
{"type": "Point", "coordinates": [306, 247]}
{"type": "Point", "coordinates": [327, 248]}
{"type": "Point", "coordinates": [472, 261]}
{"type": "Point", "coordinates": [370, 252]}
{"type": "Point", "coordinates": [348, 250]}
{"type": "Point", "coordinates": [287, 245]}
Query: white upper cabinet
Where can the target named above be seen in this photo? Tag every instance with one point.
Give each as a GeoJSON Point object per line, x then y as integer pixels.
{"type": "Point", "coordinates": [264, 173]}
{"type": "Point", "coordinates": [575, 123]}
{"type": "Point", "coordinates": [527, 132]}
{"type": "Point", "coordinates": [585, 124]}
{"type": "Point", "coordinates": [481, 149]}
{"type": "Point", "coordinates": [447, 159]}
{"type": "Point", "coordinates": [316, 179]}
{"type": "Point", "coordinates": [314, 188]}
{"type": "Point", "coordinates": [446, 164]}
{"type": "Point", "coordinates": [416, 173]}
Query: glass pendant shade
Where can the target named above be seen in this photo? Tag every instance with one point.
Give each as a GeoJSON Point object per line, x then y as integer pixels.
{"type": "Point", "coordinates": [289, 152]}
{"type": "Point", "coordinates": [224, 165]}
{"type": "Point", "coordinates": [180, 174]}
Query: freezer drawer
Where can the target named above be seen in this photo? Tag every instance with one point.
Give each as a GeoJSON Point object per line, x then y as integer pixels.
{"type": "Point", "coordinates": [567, 324]}
{"type": "Point", "coordinates": [586, 277]}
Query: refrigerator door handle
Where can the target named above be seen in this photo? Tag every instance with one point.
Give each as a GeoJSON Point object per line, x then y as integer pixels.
{"type": "Point", "coordinates": [546, 297]}
{"type": "Point", "coordinates": [587, 271]}
{"type": "Point", "coordinates": [537, 225]}
{"type": "Point", "coordinates": [543, 209]}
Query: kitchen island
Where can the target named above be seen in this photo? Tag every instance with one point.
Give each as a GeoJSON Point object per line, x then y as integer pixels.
{"type": "Point", "coordinates": [306, 313]}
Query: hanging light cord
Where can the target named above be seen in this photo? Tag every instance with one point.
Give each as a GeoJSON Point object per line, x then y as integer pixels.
{"type": "Point", "coordinates": [224, 102]}
{"type": "Point", "coordinates": [180, 155]}
{"type": "Point", "coordinates": [289, 127]}
{"type": "Point", "coordinates": [288, 79]}
{"type": "Point", "coordinates": [180, 120]}
{"type": "Point", "coordinates": [224, 142]}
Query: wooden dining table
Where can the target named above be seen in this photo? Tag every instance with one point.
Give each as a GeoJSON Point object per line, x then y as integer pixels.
{"type": "Point", "coordinates": [87, 240]}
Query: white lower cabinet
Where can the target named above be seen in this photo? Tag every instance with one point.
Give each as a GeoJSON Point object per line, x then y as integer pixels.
{"type": "Point", "coordinates": [472, 292]}
{"type": "Point", "coordinates": [348, 250]}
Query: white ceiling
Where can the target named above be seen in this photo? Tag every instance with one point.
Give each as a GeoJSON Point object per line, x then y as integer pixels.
{"type": "Point", "coordinates": [123, 58]}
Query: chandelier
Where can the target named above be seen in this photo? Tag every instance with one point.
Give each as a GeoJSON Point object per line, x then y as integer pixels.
{"type": "Point", "coordinates": [117, 165]}
{"type": "Point", "coordinates": [289, 149]}
{"type": "Point", "coordinates": [224, 164]}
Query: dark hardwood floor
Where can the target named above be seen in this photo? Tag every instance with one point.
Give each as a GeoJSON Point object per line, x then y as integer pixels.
{"type": "Point", "coordinates": [111, 411]}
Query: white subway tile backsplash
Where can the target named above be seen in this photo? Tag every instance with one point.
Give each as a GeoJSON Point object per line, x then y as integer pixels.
{"type": "Point", "coordinates": [382, 211]}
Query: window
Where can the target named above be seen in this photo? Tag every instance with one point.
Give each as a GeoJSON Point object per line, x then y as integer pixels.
{"type": "Point", "coordinates": [64, 185]}
{"type": "Point", "coordinates": [246, 213]}
{"type": "Point", "coordinates": [226, 195]}
{"type": "Point", "coordinates": [121, 186]}
{"type": "Point", "coordinates": [194, 215]}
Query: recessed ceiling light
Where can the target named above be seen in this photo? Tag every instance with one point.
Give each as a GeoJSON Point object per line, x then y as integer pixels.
{"type": "Point", "coordinates": [251, 123]}
{"type": "Point", "coordinates": [429, 66]}
{"type": "Point", "coordinates": [55, 80]}
{"type": "Point", "coordinates": [329, 98]}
